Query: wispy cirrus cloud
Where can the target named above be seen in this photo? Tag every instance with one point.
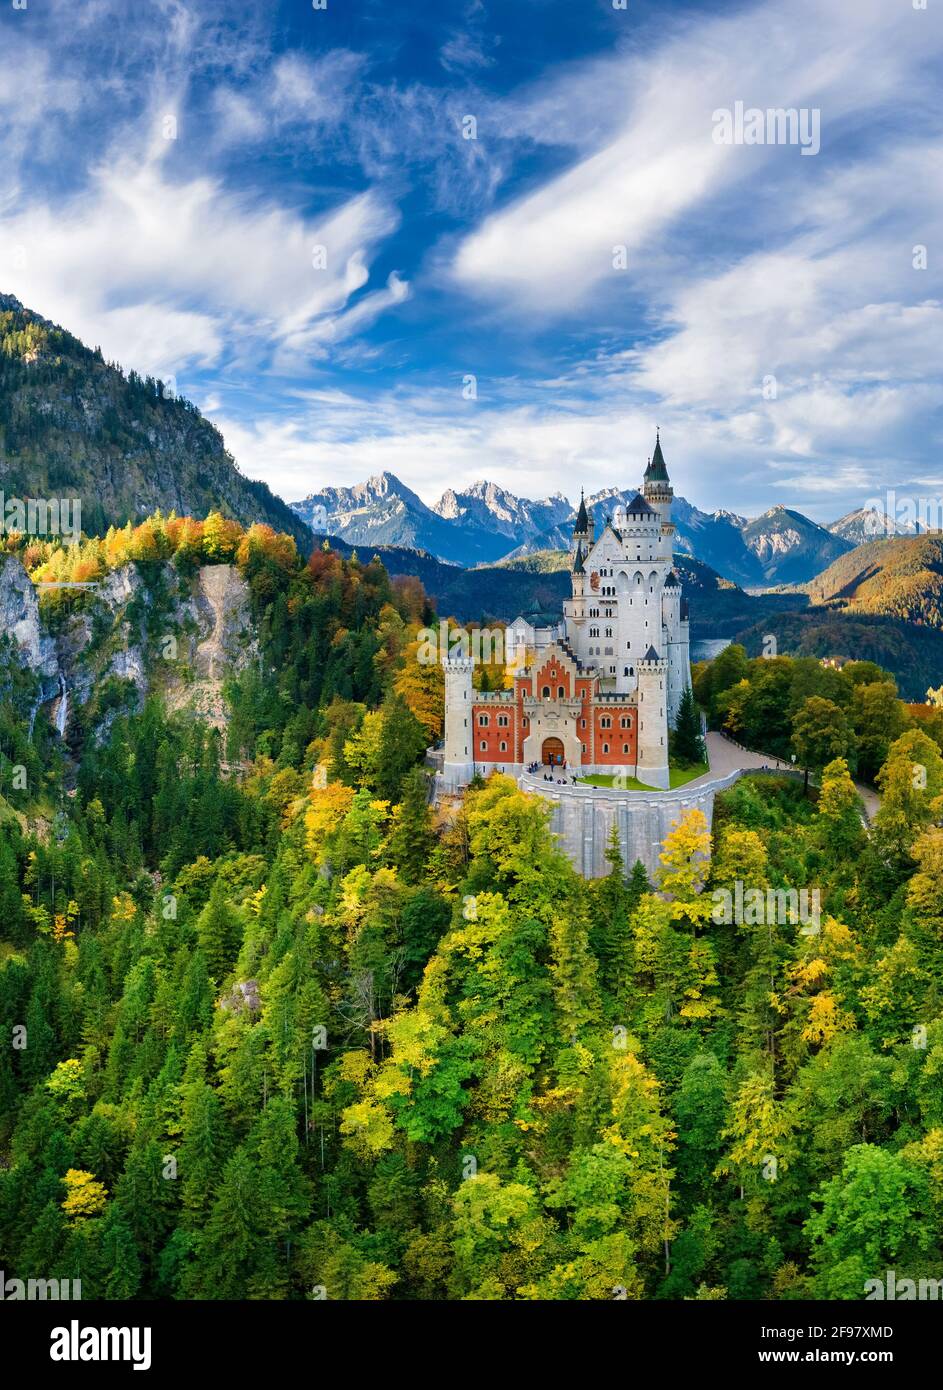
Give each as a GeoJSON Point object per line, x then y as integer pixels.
{"type": "Point", "coordinates": [196, 256]}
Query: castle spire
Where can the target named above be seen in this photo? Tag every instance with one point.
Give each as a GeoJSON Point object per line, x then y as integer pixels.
{"type": "Point", "coordinates": [582, 521]}
{"type": "Point", "coordinates": [656, 472]}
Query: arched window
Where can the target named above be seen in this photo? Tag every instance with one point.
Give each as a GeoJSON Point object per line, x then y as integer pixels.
{"type": "Point", "coordinates": [560, 692]}
{"type": "Point", "coordinates": [546, 692]}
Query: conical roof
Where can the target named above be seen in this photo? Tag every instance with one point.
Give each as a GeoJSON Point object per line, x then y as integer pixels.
{"type": "Point", "coordinates": [656, 472]}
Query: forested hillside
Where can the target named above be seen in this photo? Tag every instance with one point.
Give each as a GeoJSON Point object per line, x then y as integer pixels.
{"type": "Point", "coordinates": [900, 578]}
{"type": "Point", "coordinates": [73, 425]}
{"type": "Point", "coordinates": [282, 1031]}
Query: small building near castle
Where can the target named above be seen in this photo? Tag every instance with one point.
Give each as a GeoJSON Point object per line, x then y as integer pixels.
{"type": "Point", "coordinates": [597, 690]}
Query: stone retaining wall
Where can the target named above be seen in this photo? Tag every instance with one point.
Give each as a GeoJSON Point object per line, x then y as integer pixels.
{"type": "Point", "coordinates": [583, 817]}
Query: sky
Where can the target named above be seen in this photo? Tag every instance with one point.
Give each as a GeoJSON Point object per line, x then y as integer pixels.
{"type": "Point", "coordinates": [499, 240]}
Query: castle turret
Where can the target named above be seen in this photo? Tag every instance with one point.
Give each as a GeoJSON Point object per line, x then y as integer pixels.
{"type": "Point", "coordinates": [584, 528]}
{"type": "Point", "coordinates": [459, 759]}
{"type": "Point", "coordinates": [658, 490]}
{"type": "Point", "coordinates": [652, 754]}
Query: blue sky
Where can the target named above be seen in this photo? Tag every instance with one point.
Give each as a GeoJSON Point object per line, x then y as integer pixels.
{"type": "Point", "coordinates": [169, 171]}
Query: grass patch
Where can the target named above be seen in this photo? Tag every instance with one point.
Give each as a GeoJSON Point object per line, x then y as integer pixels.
{"type": "Point", "coordinates": [677, 777]}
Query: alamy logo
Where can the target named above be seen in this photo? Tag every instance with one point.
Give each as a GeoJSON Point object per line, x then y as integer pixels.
{"type": "Point", "coordinates": [483, 645]}
{"type": "Point", "coordinates": [42, 516]}
{"type": "Point", "coordinates": [902, 1290]}
{"type": "Point", "coordinates": [75, 1343]}
{"type": "Point", "coordinates": [755, 907]}
{"type": "Point", "coordinates": [775, 126]}
{"type": "Point", "coordinates": [38, 1290]}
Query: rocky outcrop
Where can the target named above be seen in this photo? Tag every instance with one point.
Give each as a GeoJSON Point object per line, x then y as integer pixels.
{"type": "Point", "coordinates": [180, 638]}
{"type": "Point", "coordinates": [20, 620]}
{"type": "Point", "coordinates": [219, 642]}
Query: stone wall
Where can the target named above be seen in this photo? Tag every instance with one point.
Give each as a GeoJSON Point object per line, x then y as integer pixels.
{"type": "Point", "coordinates": [583, 818]}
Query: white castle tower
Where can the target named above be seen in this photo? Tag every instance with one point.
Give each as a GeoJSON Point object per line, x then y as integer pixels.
{"type": "Point", "coordinates": [652, 756]}
{"type": "Point", "coordinates": [626, 597]}
{"type": "Point", "coordinates": [458, 762]}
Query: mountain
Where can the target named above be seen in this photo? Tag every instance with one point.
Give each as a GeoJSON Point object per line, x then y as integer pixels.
{"type": "Point", "coordinates": [490, 506]}
{"type": "Point", "coordinates": [73, 425]}
{"type": "Point", "coordinates": [717, 539]}
{"type": "Point", "coordinates": [900, 578]}
{"type": "Point", "coordinates": [384, 511]}
{"type": "Point", "coordinates": [790, 548]}
{"type": "Point", "coordinates": [486, 523]}
{"type": "Point", "coordinates": [865, 525]}
{"type": "Point", "coordinates": [541, 581]}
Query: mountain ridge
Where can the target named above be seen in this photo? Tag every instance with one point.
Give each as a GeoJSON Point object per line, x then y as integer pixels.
{"type": "Point", "coordinates": [124, 445]}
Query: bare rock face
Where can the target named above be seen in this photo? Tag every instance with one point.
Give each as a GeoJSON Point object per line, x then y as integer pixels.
{"type": "Point", "coordinates": [200, 634]}
{"type": "Point", "coordinates": [220, 642]}
{"type": "Point", "coordinates": [100, 641]}
{"type": "Point", "coordinates": [19, 619]}
{"type": "Point", "coordinates": [242, 998]}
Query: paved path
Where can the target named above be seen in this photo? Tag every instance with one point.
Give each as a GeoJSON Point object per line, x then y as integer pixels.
{"type": "Point", "coordinates": [726, 756]}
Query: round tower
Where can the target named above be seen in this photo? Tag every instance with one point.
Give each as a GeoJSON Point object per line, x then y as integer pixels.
{"type": "Point", "coordinates": [652, 755]}
{"type": "Point", "coordinates": [674, 645]}
{"type": "Point", "coordinates": [576, 610]}
{"type": "Point", "coordinates": [459, 759]}
{"type": "Point", "coordinates": [658, 490]}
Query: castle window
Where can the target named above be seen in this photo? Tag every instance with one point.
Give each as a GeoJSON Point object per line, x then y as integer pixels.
{"type": "Point", "coordinates": [605, 748]}
{"type": "Point", "coordinates": [560, 692]}
{"type": "Point", "coordinates": [484, 746]}
{"type": "Point", "coordinates": [626, 721]}
{"type": "Point", "coordinates": [546, 692]}
{"type": "Point", "coordinates": [582, 723]}
{"type": "Point", "coordinates": [583, 746]}
{"type": "Point", "coordinates": [608, 631]}
{"type": "Point", "coordinates": [504, 748]}
{"type": "Point", "coordinates": [503, 721]}
{"type": "Point", "coordinates": [483, 721]}
{"type": "Point", "coordinates": [625, 748]}
{"type": "Point", "coordinates": [605, 722]}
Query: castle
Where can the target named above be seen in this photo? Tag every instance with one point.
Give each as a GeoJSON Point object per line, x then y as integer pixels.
{"type": "Point", "coordinates": [597, 691]}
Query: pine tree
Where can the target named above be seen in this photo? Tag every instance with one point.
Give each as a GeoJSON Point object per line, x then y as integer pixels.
{"type": "Point", "coordinates": [219, 932]}
{"type": "Point", "coordinates": [412, 838]}
{"type": "Point", "coordinates": [687, 741]}
{"type": "Point", "coordinates": [611, 938]}
{"type": "Point", "coordinates": [402, 742]}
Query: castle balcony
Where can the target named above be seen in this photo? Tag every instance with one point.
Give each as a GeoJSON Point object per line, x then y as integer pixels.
{"type": "Point", "coordinates": [573, 705]}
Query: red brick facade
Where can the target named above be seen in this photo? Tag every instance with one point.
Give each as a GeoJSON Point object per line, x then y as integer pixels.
{"type": "Point", "coordinates": [605, 726]}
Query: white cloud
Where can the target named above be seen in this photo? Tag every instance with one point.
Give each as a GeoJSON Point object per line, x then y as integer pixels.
{"type": "Point", "coordinates": [166, 274]}
{"type": "Point", "coordinates": [546, 252]}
